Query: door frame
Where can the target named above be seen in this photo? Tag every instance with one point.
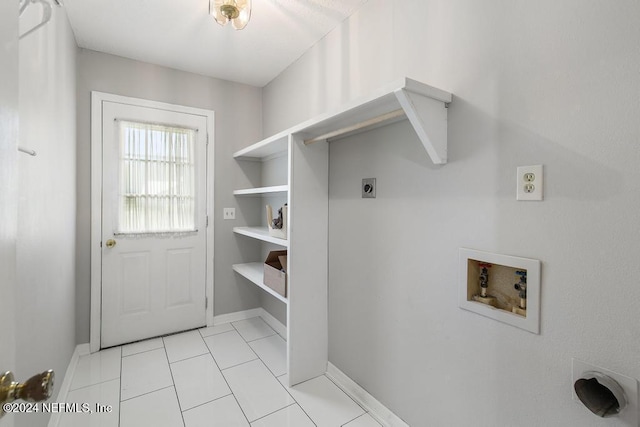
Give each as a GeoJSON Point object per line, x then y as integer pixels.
{"type": "Point", "coordinates": [97, 99]}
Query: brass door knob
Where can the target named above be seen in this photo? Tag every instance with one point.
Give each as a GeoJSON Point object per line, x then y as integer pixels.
{"type": "Point", "coordinates": [111, 243]}
{"type": "Point", "coordinates": [36, 389]}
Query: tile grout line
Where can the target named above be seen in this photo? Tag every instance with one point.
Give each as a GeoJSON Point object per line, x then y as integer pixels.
{"type": "Point", "coordinates": [286, 388]}
{"type": "Point", "coordinates": [94, 384]}
{"type": "Point", "coordinates": [360, 416]}
{"type": "Point", "coordinates": [179, 406]}
{"type": "Point", "coordinates": [265, 363]}
{"type": "Point", "coordinates": [219, 370]}
{"type": "Point", "coordinates": [257, 339]}
{"type": "Point", "coordinates": [160, 337]}
{"type": "Point", "coordinates": [366, 411]}
{"type": "Point", "coordinates": [229, 386]}
{"type": "Point", "coordinates": [142, 352]}
{"type": "Point", "coordinates": [151, 391]}
{"type": "Point", "coordinates": [324, 375]}
{"type": "Point", "coordinates": [120, 392]}
{"type": "Point", "coordinates": [252, 349]}
{"type": "Point", "coordinates": [351, 420]}
{"type": "Point", "coordinates": [101, 381]}
{"type": "Point", "coordinates": [173, 380]}
{"type": "Point", "coordinates": [146, 393]}
{"type": "Point", "coordinates": [240, 364]}
{"type": "Point", "coordinates": [295, 402]}
{"type": "Point", "coordinates": [208, 401]}
{"type": "Point", "coordinates": [256, 317]}
{"type": "Point", "coordinates": [188, 358]}
{"type": "Point", "coordinates": [217, 333]}
{"type": "Point", "coordinates": [282, 409]}
{"type": "Point", "coordinates": [240, 406]}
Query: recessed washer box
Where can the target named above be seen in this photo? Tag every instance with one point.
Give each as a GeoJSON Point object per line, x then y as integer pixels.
{"type": "Point", "coordinates": [505, 279]}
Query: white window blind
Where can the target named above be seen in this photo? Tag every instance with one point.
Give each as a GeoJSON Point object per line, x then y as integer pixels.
{"type": "Point", "coordinates": [157, 179]}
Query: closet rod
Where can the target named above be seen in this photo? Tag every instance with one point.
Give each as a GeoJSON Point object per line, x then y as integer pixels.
{"type": "Point", "coordinates": [27, 151]}
{"type": "Point", "coordinates": [370, 122]}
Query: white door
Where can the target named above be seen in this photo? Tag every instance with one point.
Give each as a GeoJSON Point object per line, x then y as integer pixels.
{"type": "Point", "coordinates": [9, 313]}
{"type": "Point", "coordinates": [154, 174]}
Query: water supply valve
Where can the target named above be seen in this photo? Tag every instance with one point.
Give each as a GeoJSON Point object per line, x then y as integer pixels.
{"type": "Point", "coordinates": [521, 287]}
{"type": "Point", "coordinates": [484, 284]}
{"type": "Point", "coordinates": [484, 279]}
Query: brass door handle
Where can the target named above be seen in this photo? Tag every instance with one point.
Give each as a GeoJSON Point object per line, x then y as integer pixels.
{"type": "Point", "coordinates": [110, 243]}
{"type": "Point", "coordinates": [36, 389]}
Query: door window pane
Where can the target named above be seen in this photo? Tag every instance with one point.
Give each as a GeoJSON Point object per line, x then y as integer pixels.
{"type": "Point", "coordinates": [157, 178]}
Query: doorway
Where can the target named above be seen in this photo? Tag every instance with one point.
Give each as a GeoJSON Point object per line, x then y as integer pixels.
{"type": "Point", "coordinates": [152, 244]}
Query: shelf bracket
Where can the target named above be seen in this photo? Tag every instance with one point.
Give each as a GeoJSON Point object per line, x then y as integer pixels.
{"type": "Point", "coordinates": [428, 117]}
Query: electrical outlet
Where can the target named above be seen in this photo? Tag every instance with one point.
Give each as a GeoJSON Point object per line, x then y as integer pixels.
{"type": "Point", "coordinates": [369, 188]}
{"type": "Point", "coordinates": [529, 181]}
{"type": "Point", "coordinates": [229, 213]}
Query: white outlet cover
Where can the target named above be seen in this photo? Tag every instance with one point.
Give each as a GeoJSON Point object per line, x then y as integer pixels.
{"type": "Point", "coordinates": [229, 213]}
{"type": "Point", "coordinates": [537, 182]}
{"type": "Point", "coordinates": [629, 415]}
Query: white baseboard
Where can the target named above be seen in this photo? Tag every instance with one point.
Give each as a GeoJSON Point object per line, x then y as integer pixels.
{"type": "Point", "coordinates": [80, 350]}
{"type": "Point", "coordinates": [248, 314]}
{"type": "Point", "coordinates": [376, 409]}
{"type": "Point", "coordinates": [277, 326]}
{"type": "Point", "coordinates": [237, 316]}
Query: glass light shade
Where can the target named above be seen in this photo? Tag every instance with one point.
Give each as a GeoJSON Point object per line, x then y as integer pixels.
{"type": "Point", "coordinates": [238, 12]}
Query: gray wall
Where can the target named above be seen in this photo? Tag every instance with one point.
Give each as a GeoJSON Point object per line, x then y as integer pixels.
{"type": "Point", "coordinates": [46, 204]}
{"type": "Point", "coordinates": [237, 124]}
{"type": "Point", "coordinates": [8, 182]}
{"type": "Point", "coordinates": [553, 83]}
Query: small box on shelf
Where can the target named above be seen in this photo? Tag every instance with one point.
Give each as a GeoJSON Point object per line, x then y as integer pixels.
{"type": "Point", "coordinates": [278, 226]}
{"type": "Point", "coordinates": [275, 272]}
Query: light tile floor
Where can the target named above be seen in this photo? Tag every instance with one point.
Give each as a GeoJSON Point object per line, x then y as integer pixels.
{"type": "Point", "coordinates": [223, 376]}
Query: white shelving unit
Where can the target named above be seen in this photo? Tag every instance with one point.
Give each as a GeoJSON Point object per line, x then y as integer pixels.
{"type": "Point", "coordinates": [254, 271]}
{"type": "Point", "coordinates": [265, 149]}
{"type": "Point", "coordinates": [262, 191]}
{"type": "Point", "coordinates": [307, 191]}
{"type": "Point", "coordinates": [424, 106]}
{"type": "Point", "coordinates": [260, 233]}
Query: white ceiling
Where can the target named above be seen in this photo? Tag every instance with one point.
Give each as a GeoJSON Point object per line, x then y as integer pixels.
{"type": "Point", "coordinates": [181, 34]}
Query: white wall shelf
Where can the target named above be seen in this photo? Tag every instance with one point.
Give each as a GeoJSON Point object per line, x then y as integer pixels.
{"type": "Point", "coordinates": [260, 233]}
{"type": "Point", "coordinates": [262, 191]}
{"type": "Point", "coordinates": [307, 193]}
{"type": "Point", "coordinates": [265, 149]}
{"type": "Point", "coordinates": [424, 106]}
{"type": "Point", "coordinates": [254, 272]}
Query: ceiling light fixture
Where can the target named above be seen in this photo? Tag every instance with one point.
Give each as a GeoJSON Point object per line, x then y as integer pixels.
{"type": "Point", "coordinates": [237, 12]}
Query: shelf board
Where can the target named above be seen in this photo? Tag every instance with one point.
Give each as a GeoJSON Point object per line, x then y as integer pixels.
{"type": "Point", "coordinates": [261, 191]}
{"type": "Point", "coordinates": [423, 105]}
{"type": "Point", "coordinates": [273, 146]}
{"type": "Point", "coordinates": [254, 272]}
{"type": "Point", "coordinates": [260, 233]}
